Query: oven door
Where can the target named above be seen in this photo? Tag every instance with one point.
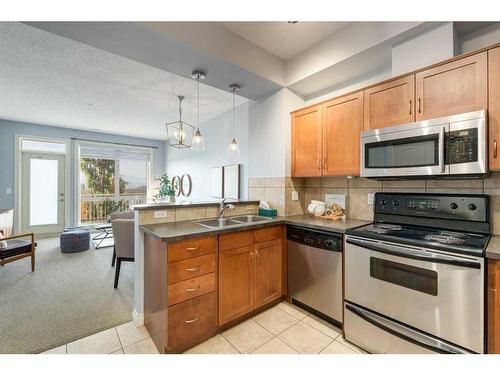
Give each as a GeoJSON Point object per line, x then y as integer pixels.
{"type": "Point", "coordinates": [418, 150]}
{"type": "Point", "coordinates": [432, 291]}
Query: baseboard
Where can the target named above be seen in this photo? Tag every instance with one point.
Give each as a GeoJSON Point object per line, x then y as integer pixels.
{"type": "Point", "coordinates": [138, 318]}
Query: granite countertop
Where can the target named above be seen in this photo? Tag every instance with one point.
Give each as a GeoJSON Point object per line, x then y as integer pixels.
{"type": "Point", "coordinates": [149, 206]}
{"type": "Point", "coordinates": [181, 230]}
{"type": "Point", "coordinates": [493, 249]}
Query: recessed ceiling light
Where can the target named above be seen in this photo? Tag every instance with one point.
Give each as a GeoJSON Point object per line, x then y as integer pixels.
{"type": "Point", "coordinates": [293, 22]}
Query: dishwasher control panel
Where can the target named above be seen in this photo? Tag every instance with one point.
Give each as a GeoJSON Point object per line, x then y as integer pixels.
{"type": "Point", "coordinates": [318, 239]}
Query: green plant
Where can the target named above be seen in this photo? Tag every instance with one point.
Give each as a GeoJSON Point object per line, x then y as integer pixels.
{"type": "Point", "coordinates": [167, 188]}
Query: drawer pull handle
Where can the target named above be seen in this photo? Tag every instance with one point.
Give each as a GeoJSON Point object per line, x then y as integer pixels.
{"type": "Point", "coordinates": [191, 248]}
{"type": "Point", "coordinates": [495, 148]}
{"type": "Point", "coordinates": [192, 289]}
{"type": "Point", "coordinates": [257, 256]}
{"type": "Point", "coordinates": [410, 106]}
{"type": "Point", "coordinates": [419, 106]}
{"type": "Point", "coordinates": [194, 269]}
{"type": "Point", "coordinates": [192, 320]}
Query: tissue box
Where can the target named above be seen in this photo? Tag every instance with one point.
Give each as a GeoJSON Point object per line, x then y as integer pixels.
{"type": "Point", "coordinates": [268, 212]}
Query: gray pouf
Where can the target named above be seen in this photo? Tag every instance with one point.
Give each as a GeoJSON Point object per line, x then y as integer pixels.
{"type": "Point", "coordinates": [74, 241]}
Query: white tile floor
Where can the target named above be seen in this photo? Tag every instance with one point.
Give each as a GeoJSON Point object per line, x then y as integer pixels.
{"type": "Point", "coordinates": [282, 329]}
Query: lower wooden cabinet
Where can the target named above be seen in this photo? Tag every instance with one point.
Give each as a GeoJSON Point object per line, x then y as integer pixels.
{"type": "Point", "coordinates": [236, 277]}
{"type": "Point", "coordinates": [250, 276]}
{"type": "Point", "coordinates": [493, 303]}
{"type": "Point", "coordinates": [267, 279]}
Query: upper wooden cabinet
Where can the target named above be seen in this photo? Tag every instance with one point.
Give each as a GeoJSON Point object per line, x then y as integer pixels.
{"type": "Point", "coordinates": [494, 107]}
{"type": "Point", "coordinates": [452, 88]}
{"type": "Point", "coordinates": [306, 142]}
{"type": "Point", "coordinates": [391, 103]}
{"type": "Point", "coordinates": [342, 126]}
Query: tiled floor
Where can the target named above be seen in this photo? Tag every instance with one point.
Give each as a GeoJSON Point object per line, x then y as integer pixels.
{"type": "Point", "coordinates": [282, 329]}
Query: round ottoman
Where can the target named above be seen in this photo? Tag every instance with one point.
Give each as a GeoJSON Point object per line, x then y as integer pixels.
{"type": "Point", "coordinates": [73, 241]}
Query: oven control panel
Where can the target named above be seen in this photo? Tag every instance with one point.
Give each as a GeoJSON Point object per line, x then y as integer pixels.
{"type": "Point", "coordinates": [460, 207]}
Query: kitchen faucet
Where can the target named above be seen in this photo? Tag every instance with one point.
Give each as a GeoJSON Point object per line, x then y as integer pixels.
{"type": "Point", "coordinates": [223, 206]}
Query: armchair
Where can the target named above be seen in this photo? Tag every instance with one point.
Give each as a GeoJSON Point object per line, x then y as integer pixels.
{"type": "Point", "coordinates": [18, 248]}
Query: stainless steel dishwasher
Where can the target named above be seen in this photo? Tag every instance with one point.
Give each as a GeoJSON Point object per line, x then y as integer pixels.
{"type": "Point", "coordinates": [315, 271]}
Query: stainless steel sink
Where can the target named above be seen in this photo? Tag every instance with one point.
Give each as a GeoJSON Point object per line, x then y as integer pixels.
{"type": "Point", "coordinates": [250, 218]}
{"type": "Point", "coordinates": [218, 223]}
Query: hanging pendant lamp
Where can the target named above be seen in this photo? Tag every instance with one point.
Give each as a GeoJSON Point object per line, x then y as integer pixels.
{"type": "Point", "coordinates": [198, 143]}
{"type": "Point", "coordinates": [179, 133]}
{"type": "Point", "coordinates": [233, 148]}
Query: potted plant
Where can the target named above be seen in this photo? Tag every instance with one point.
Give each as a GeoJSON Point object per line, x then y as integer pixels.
{"type": "Point", "coordinates": [167, 189]}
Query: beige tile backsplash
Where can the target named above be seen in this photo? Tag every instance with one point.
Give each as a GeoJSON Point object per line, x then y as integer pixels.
{"type": "Point", "coordinates": [277, 191]}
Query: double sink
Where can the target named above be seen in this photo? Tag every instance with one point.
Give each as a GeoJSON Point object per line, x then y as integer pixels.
{"type": "Point", "coordinates": [229, 222]}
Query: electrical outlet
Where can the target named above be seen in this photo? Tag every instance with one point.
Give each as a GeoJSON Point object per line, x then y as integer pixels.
{"type": "Point", "coordinates": [250, 207]}
{"type": "Point", "coordinates": [371, 197]}
{"type": "Point", "coordinates": [160, 214]}
{"type": "Point", "coordinates": [8, 191]}
{"type": "Point", "coordinates": [295, 195]}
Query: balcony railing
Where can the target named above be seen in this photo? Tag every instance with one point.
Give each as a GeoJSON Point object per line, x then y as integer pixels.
{"type": "Point", "coordinates": [95, 209]}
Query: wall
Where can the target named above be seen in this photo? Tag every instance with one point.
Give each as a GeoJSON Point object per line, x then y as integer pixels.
{"type": "Point", "coordinates": [479, 39]}
{"type": "Point", "coordinates": [426, 49]}
{"type": "Point", "coordinates": [217, 133]}
{"type": "Point", "coordinates": [9, 129]}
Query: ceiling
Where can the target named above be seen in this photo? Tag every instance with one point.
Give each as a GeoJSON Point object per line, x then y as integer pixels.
{"type": "Point", "coordinates": [282, 39]}
{"type": "Point", "coordinates": [52, 80]}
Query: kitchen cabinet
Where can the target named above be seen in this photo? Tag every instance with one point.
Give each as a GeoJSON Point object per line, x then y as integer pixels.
{"type": "Point", "coordinates": [342, 126]}
{"type": "Point", "coordinates": [250, 276]}
{"type": "Point", "coordinates": [451, 88]}
{"type": "Point", "coordinates": [267, 272]}
{"type": "Point", "coordinates": [390, 103]}
{"type": "Point", "coordinates": [494, 107]}
{"type": "Point", "coordinates": [306, 142]}
{"type": "Point", "coordinates": [236, 278]}
{"type": "Point", "coordinates": [493, 303]}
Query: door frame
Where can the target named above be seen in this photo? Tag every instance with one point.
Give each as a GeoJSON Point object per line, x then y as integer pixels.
{"type": "Point", "coordinates": [18, 181]}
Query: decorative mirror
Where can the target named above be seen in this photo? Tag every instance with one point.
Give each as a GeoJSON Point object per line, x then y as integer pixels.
{"type": "Point", "coordinates": [186, 185]}
{"type": "Point", "coordinates": [176, 182]}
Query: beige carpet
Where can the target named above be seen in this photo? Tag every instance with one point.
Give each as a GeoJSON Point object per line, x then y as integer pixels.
{"type": "Point", "coordinates": [67, 297]}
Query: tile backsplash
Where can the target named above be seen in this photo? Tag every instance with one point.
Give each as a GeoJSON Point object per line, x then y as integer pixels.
{"type": "Point", "coordinates": [277, 191]}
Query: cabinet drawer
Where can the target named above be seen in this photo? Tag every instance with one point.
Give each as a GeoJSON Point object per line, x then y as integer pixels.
{"type": "Point", "coordinates": [191, 288]}
{"type": "Point", "coordinates": [268, 234]}
{"type": "Point", "coordinates": [191, 322]}
{"type": "Point", "coordinates": [191, 248]}
{"type": "Point", "coordinates": [235, 240]}
{"type": "Point", "coordinates": [190, 268]}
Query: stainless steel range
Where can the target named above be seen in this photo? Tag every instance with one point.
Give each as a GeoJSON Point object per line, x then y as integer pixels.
{"type": "Point", "coordinates": [414, 278]}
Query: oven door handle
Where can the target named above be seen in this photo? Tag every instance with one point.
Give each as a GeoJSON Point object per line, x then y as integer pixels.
{"type": "Point", "coordinates": [441, 149]}
{"type": "Point", "coordinates": [414, 254]}
{"type": "Point", "coordinates": [404, 332]}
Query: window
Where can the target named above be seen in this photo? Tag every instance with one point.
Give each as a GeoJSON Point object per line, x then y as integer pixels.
{"type": "Point", "coordinates": [43, 146]}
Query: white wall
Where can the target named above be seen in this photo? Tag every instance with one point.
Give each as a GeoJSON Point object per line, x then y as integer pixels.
{"type": "Point", "coordinates": [479, 39]}
{"type": "Point", "coordinates": [423, 50]}
{"type": "Point", "coordinates": [269, 134]}
{"type": "Point", "coordinates": [217, 133]}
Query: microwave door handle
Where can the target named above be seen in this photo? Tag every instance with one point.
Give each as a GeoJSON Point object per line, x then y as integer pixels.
{"type": "Point", "coordinates": [413, 254]}
{"type": "Point", "coordinates": [405, 333]}
{"type": "Point", "coordinates": [441, 149]}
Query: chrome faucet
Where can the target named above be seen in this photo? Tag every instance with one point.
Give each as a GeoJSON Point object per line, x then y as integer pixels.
{"type": "Point", "coordinates": [223, 206]}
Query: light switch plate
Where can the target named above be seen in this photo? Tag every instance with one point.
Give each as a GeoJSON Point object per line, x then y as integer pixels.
{"type": "Point", "coordinates": [295, 195]}
{"type": "Point", "coordinates": [371, 197]}
{"type": "Point", "coordinates": [160, 214]}
{"type": "Point", "coordinates": [8, 191]}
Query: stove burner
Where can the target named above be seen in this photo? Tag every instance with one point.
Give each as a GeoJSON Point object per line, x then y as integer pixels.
{"type": "Point", "coordinates": [384, 228]}
{"type": "Point", "coordinates": [445, 238]}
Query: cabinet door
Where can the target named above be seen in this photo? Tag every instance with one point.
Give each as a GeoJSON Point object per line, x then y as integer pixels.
{"type": "Point", "coordinates": [493, 304]}
{"type": "Point", "coordinates": [342, 125]}
{"type": "Point", "coordinates": [236, 279]}
{"type": "Point", "coordinates": [494, 107]}
{"type": "Point", "coordinates": [389, 104]}
{"type": "Point", "coordinates": [306, 142]}
{"type": "Point", "coordinates": [267, 272]}
{"type": "Point", "coordinates": [456, 87]}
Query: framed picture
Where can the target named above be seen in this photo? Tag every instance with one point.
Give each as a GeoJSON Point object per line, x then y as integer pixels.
{"type": "Point", "coordinates": [217, 182]}
{"type": "Point", "coordinates": [232, 181]}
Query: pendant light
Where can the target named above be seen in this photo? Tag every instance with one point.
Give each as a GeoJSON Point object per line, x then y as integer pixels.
{"type": "Point", "coordinates": [198, 143]}
{"type": "Point", "coordinates": [233, 148]}
{"type": "Point", "coordinates": [179, 133]}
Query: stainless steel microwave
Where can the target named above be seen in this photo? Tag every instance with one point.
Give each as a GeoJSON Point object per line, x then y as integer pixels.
{"type": "Point", "coordinates": [447, 146]}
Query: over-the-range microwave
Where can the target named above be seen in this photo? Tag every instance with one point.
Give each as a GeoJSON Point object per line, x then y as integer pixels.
{"type": "Point", "coordinates": [442, 147]}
